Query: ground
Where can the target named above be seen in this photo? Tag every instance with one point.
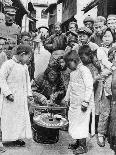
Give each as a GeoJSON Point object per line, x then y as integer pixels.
{"type": "Point", "coordinates": [60, 148]}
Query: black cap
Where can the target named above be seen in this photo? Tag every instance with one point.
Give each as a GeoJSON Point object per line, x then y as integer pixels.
{"type": "Point", "coordinates": [85, 30]}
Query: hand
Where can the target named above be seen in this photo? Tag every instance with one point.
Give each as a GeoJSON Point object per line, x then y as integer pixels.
{"type": "Point", "coordinates": [83, 108]}
{"type": "Point", "coordinates": [10, 98]}
{"type": "Point", "coordinates": [65, 103]}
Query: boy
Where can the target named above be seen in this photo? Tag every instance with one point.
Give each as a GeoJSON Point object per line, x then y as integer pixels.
{"type": "Point", "coordinates": [3, 58]}
{"type": "Point", "coordinates": [80, 95]}
{"type": "Point", "coordinates": [16, 90]}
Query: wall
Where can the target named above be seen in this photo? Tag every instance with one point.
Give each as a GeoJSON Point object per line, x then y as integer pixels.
{"type": "Point", "coordinates": [41, 21]}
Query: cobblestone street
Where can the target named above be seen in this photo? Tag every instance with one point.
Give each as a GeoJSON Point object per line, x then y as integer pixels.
{"type": "Point", "coordinates": [60, 148]}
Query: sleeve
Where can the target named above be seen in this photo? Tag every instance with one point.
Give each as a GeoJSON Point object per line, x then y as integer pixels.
{"type": "Point", "coordinates": [29, 93]}
{"type": "Point", "coordinates": [48, 45]}
{"type": "Point", "coordinates": [67, 96]}
{"type": "Point", "coordinates": [4, 73]}
{"type": "Point", "coordinates": [102, 57]}
{"type": "Point", "coordinates": [88, 81]}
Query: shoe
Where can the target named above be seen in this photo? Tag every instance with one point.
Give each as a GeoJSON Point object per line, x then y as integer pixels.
{"type": "Point", "coordinates": [80, 150]}
{"type": "Point", "coordinates": [19, 143]}
{"type": "Point", "coordinates": [73, 146]}
{"type": "Point", "coordinates": [101, 140]}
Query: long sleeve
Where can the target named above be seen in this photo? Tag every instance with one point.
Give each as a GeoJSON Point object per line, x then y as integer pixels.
{"type": "Point", "coordinates": [29, 93]}
{"type": "Point", "coordinates": [67, 97]}
{"type": "Point", "coordinates": [48, 45]}
{"type": "Point", "coordinates": [4, 73]}
{"type": "Point", "coordinates": [88, 81]}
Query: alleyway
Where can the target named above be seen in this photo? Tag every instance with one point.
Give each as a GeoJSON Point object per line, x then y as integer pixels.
{"type": "Point", "coordinates": [60, 148]}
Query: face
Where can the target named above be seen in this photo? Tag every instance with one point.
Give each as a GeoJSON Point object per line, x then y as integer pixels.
{"type": "Point", "coordinates": [83, 38]}
{"type": "Point", "coordinates": [72, 28]}
{"type": "Point", "coordinates": [112, 23]}
{"type": "Point", "coordinates": [9, 18]}
{"type": "Point", "coordinates": [25, 40]}
{"type": "Point", "coordinates": [2, 43]}
{"type": "Point", "coordinates": [72, 65]}
{"type": "Point", "coordinates": [25, 58]}
{"type": "Point", "coordinates": [57, 28]}
{"type": "Point", "coordinates": [107, 38]}
{"type": "Point", "coordinates": [52, 76]}
{"type": "Point", "coordinates": [98, 27]}
{"type": "Point", "coordinates": [89, 25]}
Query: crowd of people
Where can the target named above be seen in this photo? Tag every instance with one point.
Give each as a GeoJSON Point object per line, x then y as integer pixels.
{"type": "Point", "coordinates": [81, 75]}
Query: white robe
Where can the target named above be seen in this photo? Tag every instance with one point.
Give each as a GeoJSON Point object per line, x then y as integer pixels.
{"type": "Point", "coordinates": [15, 121]}
{"type": "Point", "coordinates": [80, 89]}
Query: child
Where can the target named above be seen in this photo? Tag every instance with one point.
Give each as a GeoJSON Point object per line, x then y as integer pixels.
{"type": "Point", "coordinates": [3, 58]}
{"type": "Point", "coordinates": [104, 97]}
{"type": "Point", "coordinates": [80, 95]}
{"type": "Point", "coordinates": [16, 89]}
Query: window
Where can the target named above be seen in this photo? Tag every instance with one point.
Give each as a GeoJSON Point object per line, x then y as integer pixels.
{"type": "Point", "coordinates": [44, 14]}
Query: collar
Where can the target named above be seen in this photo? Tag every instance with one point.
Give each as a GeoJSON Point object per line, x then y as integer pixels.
{"type": "Point", "coordinates": [15, 59]}
{"type": "Point", "coordinates": [79, 65]}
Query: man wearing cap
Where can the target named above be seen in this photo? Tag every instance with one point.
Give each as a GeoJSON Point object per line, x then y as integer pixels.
{"type": "Point", "coordinates": [89, 22]}
{"type": "Point", "coordinates": [84, 35]}
{"type": "Point", "coordinates": [9, 29]}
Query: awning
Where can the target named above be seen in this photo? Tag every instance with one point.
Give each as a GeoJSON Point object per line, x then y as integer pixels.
{"type": "Point", "coordinates": [91, 5]}
{"type": "Point", "coordinates": [50, 7]}
{"type": "Point", "coordinates": [19, 4]}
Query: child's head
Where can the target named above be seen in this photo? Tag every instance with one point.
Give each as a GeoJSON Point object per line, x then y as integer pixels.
{"type": "Point", "coordinates": [84, 34]}
{"type": "Point", "coordinates": [73, 26]}
{"type": "Point", "coordinates": [72, 59]}
{"type": "Point", "coordinates": [25, 37]}
{"type": "Point", "coordinates": [108, 37]}
{"type": "Point", "coordinates": [111, 21]}
{"type": "Point", "coordinates": [24, 53]}
{"type": "Point", "coordinates": [99, 24]}
{"type": "Point", "coordinates": [85, 54]}
{"type": "Point", "coordinates": [2, 42]}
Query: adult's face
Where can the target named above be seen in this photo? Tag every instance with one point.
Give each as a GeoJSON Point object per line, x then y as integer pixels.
{"type": "Point", "coordinates": [9, 18]}
{"type": "Point", "coordinates": [89, 25]}
{"type": "Point", "coordinates": [57, 29]}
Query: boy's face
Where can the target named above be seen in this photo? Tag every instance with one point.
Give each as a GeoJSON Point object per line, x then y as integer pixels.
{"type": "Point", "coordinates": [25, 58]}
{"type": "Point", "coordinates": [112, 23]}
{"type": "Point", "coordinates": [72, 64]}
{"type": "Point", "coordinates": [98, 27]}
{"type": "Point", "coordinates": [2, 43]}
{"type": "Point", "coordinates": [57, 29]}
{"type": "Point", "coordinates": [83, 38]}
